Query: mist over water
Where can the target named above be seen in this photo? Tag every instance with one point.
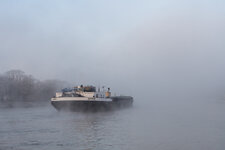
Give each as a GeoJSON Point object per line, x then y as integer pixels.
{"type": "Point", "coordinates": [162, 124]}
{"type": "Point", "coordinates": [168, 55]}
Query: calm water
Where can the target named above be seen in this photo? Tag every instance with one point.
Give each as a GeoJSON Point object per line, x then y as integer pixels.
{"type": "Point", "coordinates": [156, 125]}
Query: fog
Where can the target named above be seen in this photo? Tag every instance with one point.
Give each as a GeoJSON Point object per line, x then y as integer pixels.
{"type": "Point", "coordinates": [168, 55]}
{"type": "Point", "coordinates": [139, 48]}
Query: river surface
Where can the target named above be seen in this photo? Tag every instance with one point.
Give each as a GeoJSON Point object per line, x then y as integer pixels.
{"type": "Point", "coordinates": [156, 125]}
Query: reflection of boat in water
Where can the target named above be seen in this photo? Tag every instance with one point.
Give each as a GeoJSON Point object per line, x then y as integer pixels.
{"type": "Point", "coordinates": [86, 98]}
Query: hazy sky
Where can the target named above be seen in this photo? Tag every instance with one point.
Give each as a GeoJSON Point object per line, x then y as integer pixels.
{"type": "Point", "coordinates": [155, 44]}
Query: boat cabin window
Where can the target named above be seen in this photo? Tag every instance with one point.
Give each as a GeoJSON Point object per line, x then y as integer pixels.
{"type": "Point", "coordinates": [89, 89]}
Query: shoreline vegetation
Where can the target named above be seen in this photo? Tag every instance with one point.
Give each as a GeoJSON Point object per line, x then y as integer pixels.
{"type": "Point", "coordinates": [20, 89]}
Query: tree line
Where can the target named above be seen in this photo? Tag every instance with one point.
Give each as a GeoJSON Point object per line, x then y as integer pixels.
{"type": "Point", "coordinates": [16, 86]}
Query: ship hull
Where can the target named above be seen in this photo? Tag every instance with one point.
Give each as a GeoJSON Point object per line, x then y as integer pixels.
{"type": "Point", "coordinates": [93, 105]}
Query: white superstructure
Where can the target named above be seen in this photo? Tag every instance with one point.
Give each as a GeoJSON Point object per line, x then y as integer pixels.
{"type": "Point", "coordinates": [83, 93]}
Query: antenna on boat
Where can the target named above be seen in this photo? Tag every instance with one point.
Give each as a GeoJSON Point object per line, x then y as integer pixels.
{"type": "Point", "coordinates": [98, 89]}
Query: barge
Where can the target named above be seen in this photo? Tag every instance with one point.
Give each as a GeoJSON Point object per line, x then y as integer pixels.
{"type": "Point", "coordinates": [87, 98]}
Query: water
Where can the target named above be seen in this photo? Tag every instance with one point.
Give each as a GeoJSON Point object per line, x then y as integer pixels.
{"type": "Point", "coordinates": [158, 125]}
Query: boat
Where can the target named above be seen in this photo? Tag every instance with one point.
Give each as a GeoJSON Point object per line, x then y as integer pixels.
{"type": "Point", "coordinates": [87, 98]}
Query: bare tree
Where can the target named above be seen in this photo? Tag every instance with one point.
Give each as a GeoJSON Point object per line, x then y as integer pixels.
{"type": "Point", "coordinates": [15, 75]}
{"type": "Point", "coordinates": [16, 86]}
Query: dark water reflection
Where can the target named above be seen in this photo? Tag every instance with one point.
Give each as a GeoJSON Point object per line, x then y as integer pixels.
{"type": "Point", "coordinates": [161, 124]}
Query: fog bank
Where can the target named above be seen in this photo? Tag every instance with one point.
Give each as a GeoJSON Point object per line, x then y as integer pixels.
{"type": "Point", "coordinates": [139, 48]}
